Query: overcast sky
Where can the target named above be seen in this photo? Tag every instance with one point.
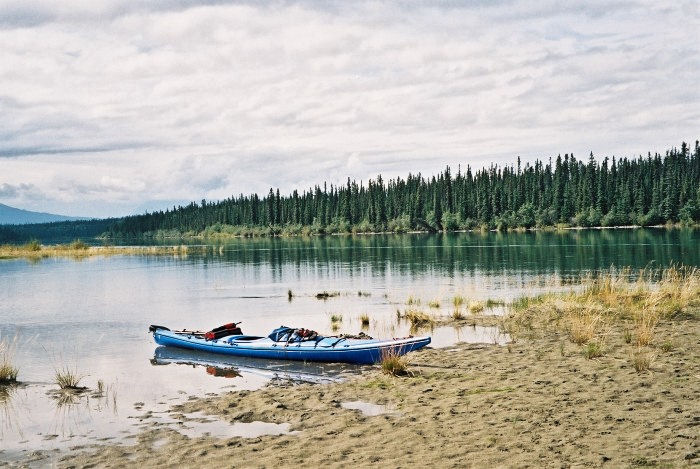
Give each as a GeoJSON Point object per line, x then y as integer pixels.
{"type": "Point", "coordinates": [108, 108]}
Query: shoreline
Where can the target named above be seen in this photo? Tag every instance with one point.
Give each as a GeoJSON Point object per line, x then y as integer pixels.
{"type": "Point", "coordinates": [78, 250]}
{"type": "Point", "coordinates": [605, 375]}
{"type": "Point", "coordinates": [550, 229]}
{"type": "Point", "coordinates": [536, 402]}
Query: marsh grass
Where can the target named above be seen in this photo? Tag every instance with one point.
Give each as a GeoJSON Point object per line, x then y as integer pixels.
{"type": "Point", "coordinates": [476, 307]}
{"type": "Point", "coordinates": [336, 318]}
{"type": "Point", "coordinates": [418, 318]}
{"type": "Point", "coordinates": [363, 293]}
{"type": "Point", "coordinates": [457, 315]}
{"type": "Point", "coordinates": [33, 245]}
{"type": "Point", "coordinates": [458, 301]}
{"type": "Point", "coordinates": [68, 379]}
{"type": "Point", "coordinates": [413, 301]}
{"type": "Point", "coordinates": [394, 364]}
{"type": "Point", "coordinates": [434, 304]}
{"type": "Point", "coordinates": [79, 245]}
{"type": "Point", "coordinates": [290, 294]}
{"type": "Point", "coordinates": [364, 319]}
{"type": "Point", "coordinates": [8, 371]}
{"type": "Point", "coordinates": [617, 298]}
{"type": "Point", "coordinates": [78, 249]}
{"type": "Point", "coordinates": [324, 295]}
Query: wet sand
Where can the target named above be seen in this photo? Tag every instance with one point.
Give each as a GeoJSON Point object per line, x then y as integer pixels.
{"type": "Point", "coordinates": [535, 403]}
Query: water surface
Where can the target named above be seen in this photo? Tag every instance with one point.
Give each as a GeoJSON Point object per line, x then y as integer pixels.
{"type": "Point", "coordinates": [93, 314]}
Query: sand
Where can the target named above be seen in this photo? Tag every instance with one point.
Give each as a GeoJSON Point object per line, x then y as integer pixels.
{"type": "Point", "coordinates": [535, 403]}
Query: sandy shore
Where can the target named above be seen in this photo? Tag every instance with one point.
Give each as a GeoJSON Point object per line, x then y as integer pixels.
{"type": "Point", "coordinates": [535, 403]}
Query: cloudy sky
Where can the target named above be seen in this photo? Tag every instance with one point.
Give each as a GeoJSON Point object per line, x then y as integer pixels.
{"type": "Point", "coordinates": [112, 107]}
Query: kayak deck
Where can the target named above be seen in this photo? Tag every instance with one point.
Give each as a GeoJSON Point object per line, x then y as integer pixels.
{"type": "Point", "coordinates": [321, 349]}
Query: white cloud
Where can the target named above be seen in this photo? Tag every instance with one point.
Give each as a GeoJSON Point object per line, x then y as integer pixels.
{"type": "Point", "coordinates": [104, 107]}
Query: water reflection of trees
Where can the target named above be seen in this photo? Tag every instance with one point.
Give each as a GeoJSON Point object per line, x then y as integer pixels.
{"type": "Point", "coordinates": [464, 253]}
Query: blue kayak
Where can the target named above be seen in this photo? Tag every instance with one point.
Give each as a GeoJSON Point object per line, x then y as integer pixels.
{"type": "Point", "coordinates": [284, 343]}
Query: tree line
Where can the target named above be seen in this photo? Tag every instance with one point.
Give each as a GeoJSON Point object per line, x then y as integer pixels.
{"type": "Point", "coordinates": [647, 190]}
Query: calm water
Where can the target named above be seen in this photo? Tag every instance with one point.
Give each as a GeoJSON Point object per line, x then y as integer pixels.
{"type": "Point", "coordinates": [93, 314]}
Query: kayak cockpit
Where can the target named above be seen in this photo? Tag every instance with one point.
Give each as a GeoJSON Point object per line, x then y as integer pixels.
{"type": "Point", "coordinates": [244, 338]}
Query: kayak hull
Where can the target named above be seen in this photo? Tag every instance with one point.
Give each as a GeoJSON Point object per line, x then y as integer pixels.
{"type": "Point", "coordinates": [329, 349]}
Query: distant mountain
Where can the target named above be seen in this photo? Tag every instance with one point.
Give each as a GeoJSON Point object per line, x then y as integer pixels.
{"type": "Point", "coordinates": [16, 216]}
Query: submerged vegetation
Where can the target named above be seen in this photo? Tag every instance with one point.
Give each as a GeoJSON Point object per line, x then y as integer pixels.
{"type": "Point", "coordinates": [566, 191]}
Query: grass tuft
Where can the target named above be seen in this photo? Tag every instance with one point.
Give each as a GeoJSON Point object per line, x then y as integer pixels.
{"type": "Point", "coordinates": [324, 295]}
{"type": "Point", "coordinates": [642, 360]}
{"type": "Point", "coordinates": [394, 364]}
{"type": "Point", "coordinates": [458, 301]}
{"type": "Point", "coordinates": [434, 304]}
{"type": "Point", "coordinates": [336, 318]}
{"type": "Point", "coordinates": [418, 318]}
{"type": "Point", "coordinates": [476, 307]}
{"type": "Point", "coordinates": [627, 336]}
{"type": "Point", "coordinates": [644, 328]}
{"type": "Point", "coordinates": [593, 350]}
{"type": "Point", "coordinates": [364, 319]}
{"type": "Point", "coordinates": [78, 245]}
{"type": "Point", "coordinates": [8, 372]}
{"type": "Point", "coordinates": [583, 325]}
{"type": "Point", "coordinates": [413, 301]}
{"type": "Point", "coordinates": [457, 315]}
{"type": "Point", "coordinates": [667, 346]}
{"type": "Point", "coordinates": [68, 379]}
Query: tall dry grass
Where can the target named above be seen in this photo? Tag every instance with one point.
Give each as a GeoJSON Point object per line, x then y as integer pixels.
{"type": "Point", "coordinates": [617, 297]}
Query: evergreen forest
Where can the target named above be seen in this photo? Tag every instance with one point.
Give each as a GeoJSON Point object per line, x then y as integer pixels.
{"type": "Point", "coordinates": [644, 191]}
